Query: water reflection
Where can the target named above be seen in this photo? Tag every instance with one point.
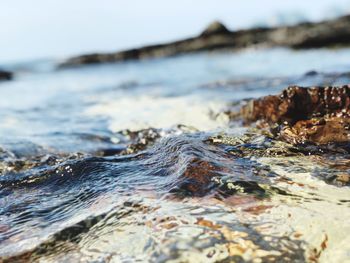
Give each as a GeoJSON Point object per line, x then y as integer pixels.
{"type": "Point", "coordinates": [98, 189]}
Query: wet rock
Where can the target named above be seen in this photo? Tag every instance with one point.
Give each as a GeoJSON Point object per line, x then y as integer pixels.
{"type": "Point", "coordinates": [330, 162]}
{"type": "Point", "coordinates": [20, 172]}
{"type": "Point", "coordinates": [236, 173]}
{"type": "Point", "coordinates": [5, 75]}
{"type": "Point", "coordinates": [343, 178]}
{"type": "Point", "coordinates": [140, 140]}
{"type": "Point", "coordinates": [334, 169]}
{"type": "Point", "coordinates": [255, 145]}
{"type": "Point", "coordinates": [11, 164]}
{"type": "Point", "coordinates": [231, 188]}
{"type": "Point", "coordinates": [198, 178]}
{"type": "Point", "coordinates": [217, 37]}
{"type": "Point", "coordinates": [319, 131]}
{"type": "Point", "coordinates": [318, 114]}
{"type": "Point", "coordinates": [111, 151]}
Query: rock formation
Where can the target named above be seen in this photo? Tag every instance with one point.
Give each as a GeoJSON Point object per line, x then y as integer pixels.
{"type": "Point", "coordinates": [318, 114]}
{"type": "Point", "coordinates": [217, 37]}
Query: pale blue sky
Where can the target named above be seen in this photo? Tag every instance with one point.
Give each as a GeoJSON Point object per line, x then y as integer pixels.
{"type": "Point", "coordinates": [58, 28]}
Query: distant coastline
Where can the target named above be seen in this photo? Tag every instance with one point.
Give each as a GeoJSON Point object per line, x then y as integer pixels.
{"type": "Point", "coordinates": [330, 33]}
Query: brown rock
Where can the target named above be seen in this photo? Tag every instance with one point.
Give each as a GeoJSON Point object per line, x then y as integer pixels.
{"type": "Point", "coordinates": [343, 178]}
{"type": "Point", "coordinates": [320, 131]}
{"type": "Point", "coordinates": [318, 114]}
{"type": "Point", "coordinates": [198, 176]}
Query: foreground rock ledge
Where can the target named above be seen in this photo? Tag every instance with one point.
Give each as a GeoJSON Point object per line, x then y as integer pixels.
{"type": "Point", "coordinates": [319, 115]}
{"type": "Point", "coordinates": [216, 36]}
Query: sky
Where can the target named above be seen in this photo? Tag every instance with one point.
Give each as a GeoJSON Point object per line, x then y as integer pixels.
{"type": "Point", "coordinates": [60, 28]}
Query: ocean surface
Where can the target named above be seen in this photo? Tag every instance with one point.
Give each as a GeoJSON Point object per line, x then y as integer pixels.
{"type": "Point", "coordinates": [105, 163]}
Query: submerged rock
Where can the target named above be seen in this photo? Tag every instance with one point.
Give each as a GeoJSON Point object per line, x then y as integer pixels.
{"type": "Point", "coordinates": [217, 37]}
{"type": "Point", "coordinates": [5, 75]}
{"type": "Point", "coordinates": [318, 114]}
{"type": "Point", "coordinates": [334, 169]}
{"type": "Point", "coordinates": [232, 202]}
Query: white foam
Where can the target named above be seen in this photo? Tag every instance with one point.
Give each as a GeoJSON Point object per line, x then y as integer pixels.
{"type": "Point", "coordinates": [135, 113]}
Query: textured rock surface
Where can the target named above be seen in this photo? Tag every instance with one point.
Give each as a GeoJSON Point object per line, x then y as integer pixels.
{"type": "Point", "coordinates": [216, 36]}
{"type": "Point", "coordinates": [318, 114]}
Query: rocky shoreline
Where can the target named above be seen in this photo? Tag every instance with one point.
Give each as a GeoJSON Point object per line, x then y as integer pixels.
{"type": "Point", "coordinates": [332, 33]}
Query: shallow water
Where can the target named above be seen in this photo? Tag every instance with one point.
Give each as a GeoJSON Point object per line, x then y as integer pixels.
{"type": "Point", "coordinates": [78, 182]}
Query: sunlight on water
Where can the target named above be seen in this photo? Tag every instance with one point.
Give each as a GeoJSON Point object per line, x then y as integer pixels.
{"type": "Point", "coordinates": [122, 162]}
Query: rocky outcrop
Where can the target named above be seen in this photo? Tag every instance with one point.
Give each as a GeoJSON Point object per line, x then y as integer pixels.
{"type": "Point", "coordinates": [215, 28]}
{"type": "Point", "coordinates": [319, 115]}
{"type": "Point", "coordinates": [5, 75]}
{"type": "Point", "coordinates": [217, 36]}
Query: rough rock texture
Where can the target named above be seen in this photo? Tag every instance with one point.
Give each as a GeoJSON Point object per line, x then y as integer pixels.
{"type": "Point", "coordinates": [5, 75]}
{"type": "Point", "coordinates": [317, 114]}
{"type": "Point", "coordinates": [217, 36]}
{"type": "Point", "coordinates": [140, 140]}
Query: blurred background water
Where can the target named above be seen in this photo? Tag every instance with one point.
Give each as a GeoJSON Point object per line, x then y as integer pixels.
{"type": "Point", "coordinates": [45, 105]}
